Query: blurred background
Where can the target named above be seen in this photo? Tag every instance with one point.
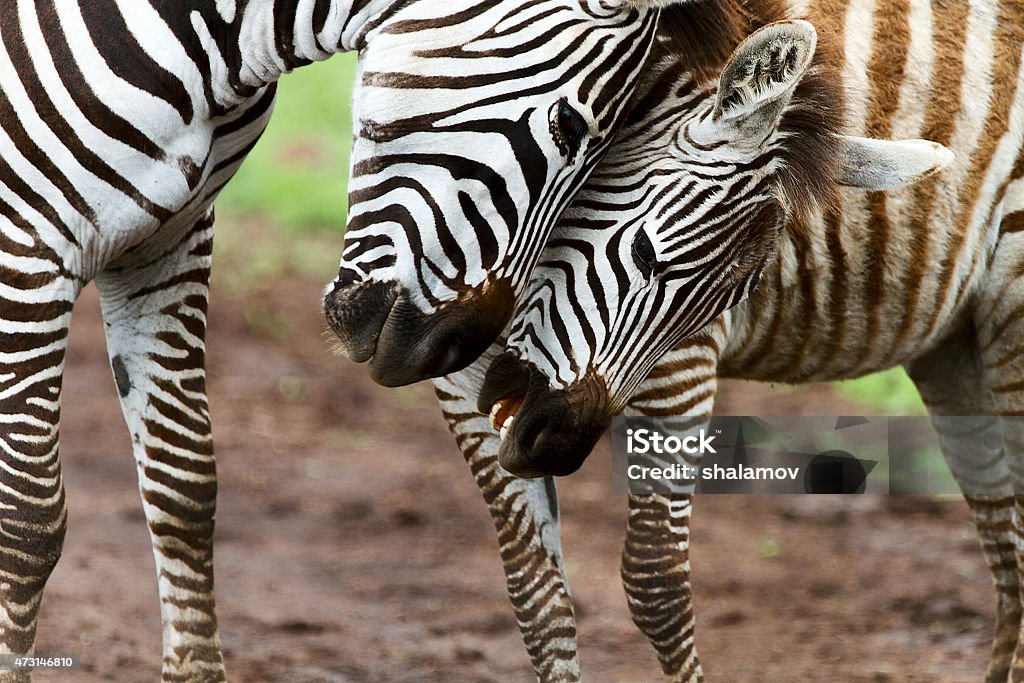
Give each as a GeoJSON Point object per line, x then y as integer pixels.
{"type": "Point", "coordinates": [352, 544]}
{"type": "Point", "coordinates": [295, 176]}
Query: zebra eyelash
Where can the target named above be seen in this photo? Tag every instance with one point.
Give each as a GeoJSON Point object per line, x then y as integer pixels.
{"type": "Point", "coordinates": [644, 255]}
{"type": "Point", "coordinates": [568, 128]}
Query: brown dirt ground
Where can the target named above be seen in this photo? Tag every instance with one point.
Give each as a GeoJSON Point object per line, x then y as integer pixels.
{"type": "Point", "coordinates": [352, 544]}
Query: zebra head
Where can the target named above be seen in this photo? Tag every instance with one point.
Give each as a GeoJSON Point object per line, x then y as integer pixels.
{"type": "Point", "coordinates": [676, 227]}
{"type": "Point", "coordinates": [475, 123]}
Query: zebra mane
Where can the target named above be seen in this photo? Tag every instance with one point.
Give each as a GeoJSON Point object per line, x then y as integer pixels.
{"type": "Point", "coordinates": [699, 37]}
{"type": "Point", "coordinates": [812, 125]}
{"type": "Point", "coordinates": [702, 34]}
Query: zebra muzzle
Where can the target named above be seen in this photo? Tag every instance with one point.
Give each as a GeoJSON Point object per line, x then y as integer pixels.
{"type": "Point", "coordinates": [357, 314]}
{"type": "Point", "coordinates": [378, 322]}
{"type": "Point", "coordinates": [544, 432]}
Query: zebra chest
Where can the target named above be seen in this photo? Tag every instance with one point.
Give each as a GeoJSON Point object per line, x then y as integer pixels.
{"type": "Point", "coordinates": [89, 207]}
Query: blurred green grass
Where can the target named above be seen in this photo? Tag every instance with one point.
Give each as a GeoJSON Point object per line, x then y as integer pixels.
{"type": "Point", "coordinates": [890, 393]}
{"type": "Point", "coordinates": [296, 175]}
{"type": "Point", "coordinates": [294, 182]}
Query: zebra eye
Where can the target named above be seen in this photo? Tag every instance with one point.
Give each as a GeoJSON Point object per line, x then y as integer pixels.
{"type": "Point", "coordinates": [568, 128]}
{"type": "Point", "coordinates": [643, 254]}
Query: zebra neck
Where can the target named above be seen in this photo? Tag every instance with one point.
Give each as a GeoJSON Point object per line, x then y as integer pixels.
{"type": "Point", "coordinates": [276, 36]}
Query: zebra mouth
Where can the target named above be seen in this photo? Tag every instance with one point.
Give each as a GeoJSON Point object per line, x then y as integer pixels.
{"type": "Point", "coordinates": [543, 431]}
{"type": "Point", "coordinates": [377, 321]}
{"type": "Point", "coordinates": [503, 413]}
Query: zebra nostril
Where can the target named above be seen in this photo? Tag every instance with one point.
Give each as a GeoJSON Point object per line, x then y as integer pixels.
{"type": "Point", "coordinates": [447, 357]}
{"type": "Point", "coordinates": [346, 278]}
{"type": "Point", "coordinates": [357, 314]}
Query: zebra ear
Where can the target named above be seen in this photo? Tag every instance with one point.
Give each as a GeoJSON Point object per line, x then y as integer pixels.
{"type": "Point", "coordinates": [764, 70]}
{"type": "Point", "coordinates": [888, 165]}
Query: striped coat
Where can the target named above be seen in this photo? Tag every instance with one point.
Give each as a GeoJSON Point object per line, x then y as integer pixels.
{"type": "Point", "coordinates": [120, 121]}
{"type": "Point", "coordinates": [930, 277]}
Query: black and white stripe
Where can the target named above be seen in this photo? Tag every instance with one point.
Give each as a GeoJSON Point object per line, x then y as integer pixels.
{"type": "Point", "coordinates": [525, 57]}
{"type": "Point", "coordinates": [119, 124]}
{"type": "Point", "coordinates": [473, 131]}
{"type": "Point", "coordinates": [927, 276]}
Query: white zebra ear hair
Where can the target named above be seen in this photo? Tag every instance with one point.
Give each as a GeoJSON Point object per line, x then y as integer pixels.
{"type": "Point", "coordinates": [764, 70]}
{"type": "Point", "coordinates": [890, 164]}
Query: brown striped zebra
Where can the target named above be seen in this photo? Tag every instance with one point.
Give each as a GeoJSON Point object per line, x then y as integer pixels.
{"type": "Point", "coordinates": [629, 307]}
{"type": "Point", "coordinates": [121, 121]}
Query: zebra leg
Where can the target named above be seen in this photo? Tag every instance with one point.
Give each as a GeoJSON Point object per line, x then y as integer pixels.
{"type": "Point", "coordinates": [525, 514]}
{"type": "Point", "coordinates": [949, 379]}
{"type": "Point", "coordinates": [999, 319]}
{"type": "Point", "coordinates": [155, 313]}
{"type": "Point", "coordinates": [656, 578]}
{"type": "Point", "coordinates": [656, 556]}
{"type": "Point", "coordinates": [35, 314]}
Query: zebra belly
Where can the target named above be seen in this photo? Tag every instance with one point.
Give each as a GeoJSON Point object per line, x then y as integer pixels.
{"type": "Point", "coordinates": [813, 348]}
{"type": "Point", "coordinates": [839, 303]}
{"type": "Point", "coordinates": [108, 140]}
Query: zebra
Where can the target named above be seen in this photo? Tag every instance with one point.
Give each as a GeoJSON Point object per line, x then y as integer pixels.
{"type": "Point", "coordinates": [648, 291]}
{"type": "Point", "coordinates": [119, 124]}
{"type": "Point", "coordinates": [928, 278]}
{"type": "Point", "coordinates": [414, 296]}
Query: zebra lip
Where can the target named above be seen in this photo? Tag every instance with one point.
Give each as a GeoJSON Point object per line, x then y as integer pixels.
{"type": "Point", "coordinates": [503, 412]}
